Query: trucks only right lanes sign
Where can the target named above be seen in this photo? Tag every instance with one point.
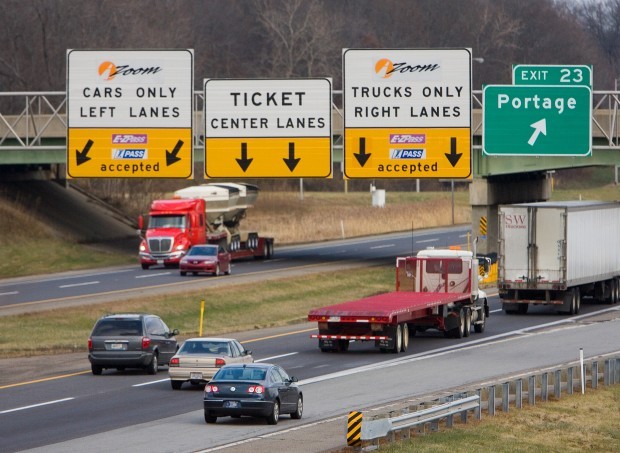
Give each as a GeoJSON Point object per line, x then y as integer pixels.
{"type": "Point", "coordinates": [407, 113]}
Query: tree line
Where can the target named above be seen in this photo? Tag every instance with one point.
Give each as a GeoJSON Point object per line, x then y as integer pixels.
{"type": "Point", "coordinates": [305, 38]}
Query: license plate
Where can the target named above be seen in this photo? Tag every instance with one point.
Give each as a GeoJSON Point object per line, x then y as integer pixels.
{"type": "Point", "coordinates": [232, 404]}
{"type": "Point", "coordinates": [160, 261]}
{"type": "Point", "coordinates": [117, 346]}
{"type": "Point", "coordinates": [195, 375]}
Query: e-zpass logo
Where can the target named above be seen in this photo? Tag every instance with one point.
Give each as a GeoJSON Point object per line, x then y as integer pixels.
{"type": "Point", "coordinates": [407, 153]}
{"type": "Point", "coordinates": [416, 139]}
{"type": "Point", "coordinates": [140, 139]}
{"type": "Point", "coordinates": [130, 153]}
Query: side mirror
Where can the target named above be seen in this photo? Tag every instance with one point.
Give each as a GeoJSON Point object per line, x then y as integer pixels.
{"type": "Point", "coordinates": [293, 379]}
{"type": "Point", "coordinates": [174, 332]}
{"type": "Point", "coordinates": [247, 352]}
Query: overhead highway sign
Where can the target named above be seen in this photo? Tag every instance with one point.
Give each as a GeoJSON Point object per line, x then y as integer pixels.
{"type": "Point", "coordinates": [532, 120]}
{"type": "Point", "coordinates": [130, 113]}
{"type": "Point", "coordinates": [407, 113]}
{"type": "Point", "coordinates": [268, 128]}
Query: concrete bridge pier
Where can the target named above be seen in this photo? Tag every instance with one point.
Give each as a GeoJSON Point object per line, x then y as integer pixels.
{"type": "Point", "coordinates": [486, 194]}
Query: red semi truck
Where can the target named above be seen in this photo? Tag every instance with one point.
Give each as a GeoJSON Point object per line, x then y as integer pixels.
{"type": "Point", "coordinates": [437, 289]}
{"type": "Point", "coordinates": [205, 214]}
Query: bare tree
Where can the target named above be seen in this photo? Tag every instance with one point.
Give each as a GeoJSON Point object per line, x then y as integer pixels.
{"type": "Point", "coordinates": [298, 37]}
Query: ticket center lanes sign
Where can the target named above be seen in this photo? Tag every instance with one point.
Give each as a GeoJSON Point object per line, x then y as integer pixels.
{"type": "Point", "coordinates": [407, 113]}
{"type": "Point", "coordinates": [130, 113]}
{"type": "Point", "coordinates": [268, 128]}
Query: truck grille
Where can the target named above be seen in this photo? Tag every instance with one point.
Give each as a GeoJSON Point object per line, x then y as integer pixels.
{"type": "Point", "coordinates": [160, 245]}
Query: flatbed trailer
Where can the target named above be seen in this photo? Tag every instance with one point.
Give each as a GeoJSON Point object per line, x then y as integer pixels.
{"type": "Point", "coordinates": [432, 292]}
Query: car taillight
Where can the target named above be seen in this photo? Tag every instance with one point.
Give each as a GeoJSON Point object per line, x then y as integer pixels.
{"type": "Point", "coordinates": [90, 344]}
{"type": "Point", "coordinates": [219, 362]}
{"type": "Point", "coordinates": [258, 389]}
{"type": "Point", "coordinates": [174, 361]}
{"type": "Point", "coordinates": [146, 341]}
{"type": "Point", "coordinates": [211, 388]}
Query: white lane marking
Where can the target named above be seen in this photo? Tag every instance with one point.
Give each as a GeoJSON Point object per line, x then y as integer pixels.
{"type": "Point", "coordinates": [495, 311]}
{"type": "Point", "coordinates": [73, 276]}
{"type": "Point", "coordinates": [9, 293]}
{"type": "Point", "coordinates": [276, 357]}
{"type": "Point", "coordinates": [36, 405]}
{"type": "Point", "coordinates": [382, 246]}
{"type": "Point", "coordinates": [335, 252]}
{"type": "Point", "coordinates": [151, 382]}
{"type": "Point", "coordinates": [96, 282]}
{"type": "Point", "coordinates": [153, 275]}
{"type": "Point", "coordinates": [426, 240]}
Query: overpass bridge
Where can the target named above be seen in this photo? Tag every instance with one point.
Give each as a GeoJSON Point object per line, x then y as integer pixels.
{"type": "Point", "coordinates": [33, 131]}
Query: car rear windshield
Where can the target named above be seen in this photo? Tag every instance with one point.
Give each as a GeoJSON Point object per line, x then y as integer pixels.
{"type": "Point", "coordinates": [114, 327]}
{"type": "Point", "coordinates": [241, 374]}
{"type": "Point", "coordinates": [205, 347]}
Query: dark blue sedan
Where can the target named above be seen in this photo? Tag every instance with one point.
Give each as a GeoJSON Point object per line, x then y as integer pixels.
{"type": "Point", "coordinates": [253, 389]}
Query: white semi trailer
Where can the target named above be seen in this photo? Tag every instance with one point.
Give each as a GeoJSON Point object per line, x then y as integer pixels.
{"type": "Point", "coordinates": [555, 253]}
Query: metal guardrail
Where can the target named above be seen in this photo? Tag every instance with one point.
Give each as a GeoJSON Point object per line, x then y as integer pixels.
{"type": "Point", "coordinates": [546, 384]}
{"type": "Point", "coordinates": [382, 427]}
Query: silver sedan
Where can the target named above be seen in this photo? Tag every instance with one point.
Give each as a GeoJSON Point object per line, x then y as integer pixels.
{"type": "Point", "coordinates": [199, 359]}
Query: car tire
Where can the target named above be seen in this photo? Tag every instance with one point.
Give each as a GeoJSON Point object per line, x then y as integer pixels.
{"type": "Point", "coordinates": [152, 367]}
{"type": "Point", "coordinates": [300, 408]}
{"type": "Point", "coordinates": [145, 266]}
{"type": "Point", "coordinates": [176, 385]}
{"type": "Point", "coordinates": [96, 369]}
{"type": "Point", "coordinates": [210, 418]}
{"type": "Point", "coordinates": [272, 418]}
{"type": "Point", "coordinates": [183, 273]}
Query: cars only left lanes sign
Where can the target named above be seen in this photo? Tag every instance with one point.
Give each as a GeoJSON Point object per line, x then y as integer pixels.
{"type": "Point", "coordinates": [130, 113]}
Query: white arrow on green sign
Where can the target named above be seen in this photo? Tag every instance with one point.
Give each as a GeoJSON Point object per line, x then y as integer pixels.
{"type": "Point", "coordinates": [532, 120]}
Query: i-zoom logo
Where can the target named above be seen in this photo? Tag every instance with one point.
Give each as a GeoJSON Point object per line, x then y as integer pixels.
{"type": "Point", "coordinates": [130, 153]}
{"type": "Point", "coordinates": [136, 139]}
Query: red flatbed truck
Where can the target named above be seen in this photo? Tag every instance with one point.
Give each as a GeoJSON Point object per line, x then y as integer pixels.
{"type": "Point", "coordinates": [437, 289]}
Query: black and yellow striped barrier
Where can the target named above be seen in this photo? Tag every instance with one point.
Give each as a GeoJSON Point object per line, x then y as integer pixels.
{"type": "Point", "coordinates": [483, 226]}
{"type": "Point", "coordinates": [354, 429]}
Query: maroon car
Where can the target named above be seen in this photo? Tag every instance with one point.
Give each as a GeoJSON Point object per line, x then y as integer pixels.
{"type": "Point", "coordinates": [207, 258]}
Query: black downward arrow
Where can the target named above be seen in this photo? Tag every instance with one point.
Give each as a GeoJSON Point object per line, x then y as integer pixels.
{"type": "Point", "coordinates": [291, 162]}
{"type": "Point", "coordinates": [82, 157]}
{"type": "Point", "coordinates": [362, 157]}
{"type": "Point", "coordinates": [453, 157]}
{"type": "Point", "coordinates": [244, 162]}
{"type": "Point", "coordinates": [171, 156]}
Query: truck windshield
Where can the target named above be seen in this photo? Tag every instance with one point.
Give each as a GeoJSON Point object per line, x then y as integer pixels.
{"type": "Point", "coordinates": [167, 221]}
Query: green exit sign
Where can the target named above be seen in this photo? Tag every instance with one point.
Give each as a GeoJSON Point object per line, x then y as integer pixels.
{"type": "Point", "coordinates": [531, 120]}
{"type": "Point", "coordinates": [575, 75]}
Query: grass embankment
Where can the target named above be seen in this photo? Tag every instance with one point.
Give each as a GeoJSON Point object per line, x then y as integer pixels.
{"type": "Point", "coordinates": [227, 309]}
{"type": "Point", "coordinates": [575, 423]}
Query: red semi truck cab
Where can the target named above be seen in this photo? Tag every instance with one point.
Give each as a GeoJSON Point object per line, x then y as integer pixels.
{"type": "Point", "coordinates": [173, 227]}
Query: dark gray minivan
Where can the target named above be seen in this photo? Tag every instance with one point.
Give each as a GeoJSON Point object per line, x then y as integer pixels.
{"type": "Point", "coordinates": [131, 340]}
